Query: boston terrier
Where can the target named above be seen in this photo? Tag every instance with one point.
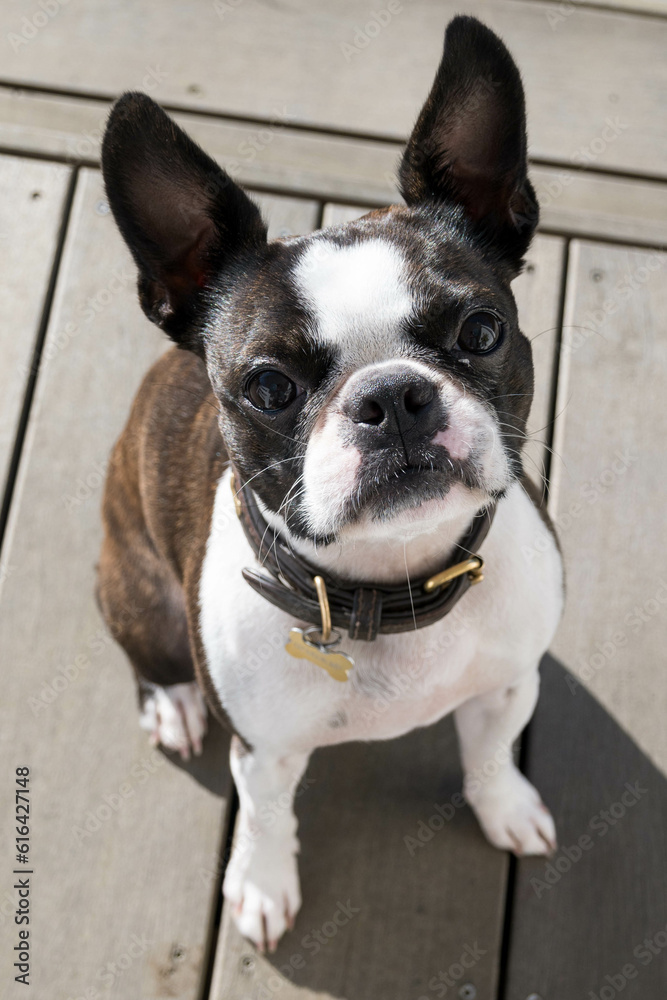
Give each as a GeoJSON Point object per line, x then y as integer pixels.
{"type": "Point", "coordinates": [318, 501]}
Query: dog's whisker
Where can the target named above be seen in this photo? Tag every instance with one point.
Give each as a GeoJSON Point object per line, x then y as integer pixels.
{"type": "Point", "coordinates": [266, 468]}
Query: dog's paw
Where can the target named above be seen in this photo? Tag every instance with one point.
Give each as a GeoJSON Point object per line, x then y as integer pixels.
{"type": "Point", "coordinates": [262, 885]}
{"type": "Point", "coordinates": [175, 716]}
{"type": "Point", "coordinates": [513, 816]}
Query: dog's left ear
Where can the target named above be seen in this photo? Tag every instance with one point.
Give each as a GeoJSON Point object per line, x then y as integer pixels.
{"type": "Point", "coordinates": [468, 147]}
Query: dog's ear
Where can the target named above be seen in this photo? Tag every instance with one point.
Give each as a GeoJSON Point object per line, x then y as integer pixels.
{"type": "Point", "coordinates": [469, 144]}
{"type": "Point", "coordinates": [181, 215]}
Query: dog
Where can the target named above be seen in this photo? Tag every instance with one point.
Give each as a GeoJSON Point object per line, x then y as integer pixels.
{"type": "Point", "coordinates": [310, 481]}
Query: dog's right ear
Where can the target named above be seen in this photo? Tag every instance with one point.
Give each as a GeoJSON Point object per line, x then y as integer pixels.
{"type": "Point", "coordinates": [181, 215]}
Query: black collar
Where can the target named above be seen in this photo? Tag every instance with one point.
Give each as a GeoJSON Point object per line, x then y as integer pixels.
{"type": "Point", "coordinates": [365, 609]}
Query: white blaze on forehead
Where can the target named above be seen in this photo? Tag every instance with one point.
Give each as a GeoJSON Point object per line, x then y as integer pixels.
{"type": "Point", "coordinates": [359, 295]}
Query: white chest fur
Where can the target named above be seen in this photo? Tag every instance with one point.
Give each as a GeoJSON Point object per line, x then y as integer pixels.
{"type": "Point", "coordinates": [497, 632]}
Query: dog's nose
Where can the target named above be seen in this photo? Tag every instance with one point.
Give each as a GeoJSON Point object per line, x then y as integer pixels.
{"type": "Point", "coordinates": [396, 402]}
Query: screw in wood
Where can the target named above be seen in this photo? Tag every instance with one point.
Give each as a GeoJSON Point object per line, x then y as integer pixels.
{"type": "Point", "coordinates": [247, 963]}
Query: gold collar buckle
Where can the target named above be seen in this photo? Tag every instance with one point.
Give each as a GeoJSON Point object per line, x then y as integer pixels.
{"type": "Point", "coordinates": [325, 610]}
{"type": "Point", "coordinates": [473, 567]}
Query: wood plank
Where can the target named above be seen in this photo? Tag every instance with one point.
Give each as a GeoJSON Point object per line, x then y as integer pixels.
{"type": "Point", "coordinates": [124, 841]}
{"type": "Point", "coordinates": [579, 203]}
{"type": "Point", "coordinates": [288, 216]}
{"type": "Point", "coordinates": [587, 750]}
{"type": "Point", "coordinates": [281, 157]}
{"type": "Point", "coordinates": [655, 7]}
{"type": "Point", "coordinates": [615, 350]}
{"type": "Point", "coordinates": [591, 204]}
{"type": "Point", "coordinates": [316, 63]}
{"type": "Point", "coordinates": [537, 291]}
{"type": "Point", "coordinates": [573, 201]}
{"type": "Point", "coordinates": [451, 894]}
{"type": "Point", "coordinates": [591, 922]}
{"type": "Point", "coordinates": [411, 915]}
{"type": "Point", "coordinates": [30, 220]}
{"type": "Point", "coordinates": [337, 214]}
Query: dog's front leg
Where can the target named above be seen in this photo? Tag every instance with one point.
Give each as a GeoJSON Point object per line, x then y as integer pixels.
{"type": "Point", "coordinates": [507, 806]}
{"type": "Point", "coordinates": [262, 879]}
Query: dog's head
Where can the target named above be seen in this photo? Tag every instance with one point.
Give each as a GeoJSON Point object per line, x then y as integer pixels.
{"type": "Point", "coordinates": [372, 376]}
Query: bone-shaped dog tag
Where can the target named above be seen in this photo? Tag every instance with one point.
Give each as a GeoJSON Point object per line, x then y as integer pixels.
{"type": "Point", "coordinates": [337, 665]}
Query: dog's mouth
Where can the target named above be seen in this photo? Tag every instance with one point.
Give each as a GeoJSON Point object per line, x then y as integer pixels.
{"type": "Point", "coordinates": [393, 482]}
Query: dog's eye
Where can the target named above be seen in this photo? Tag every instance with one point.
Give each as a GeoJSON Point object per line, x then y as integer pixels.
{"type": "Point", "coordinates": [271, 390]}
{"type": "Point", "coordinates": [480, 333]}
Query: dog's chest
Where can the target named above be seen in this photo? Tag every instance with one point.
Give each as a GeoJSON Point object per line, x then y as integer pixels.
{"type": "Point", "coordinates": [398, 682]}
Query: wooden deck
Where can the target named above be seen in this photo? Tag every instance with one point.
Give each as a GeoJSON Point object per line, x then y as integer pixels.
{"type": "Point", "coordinates": [128, 844]}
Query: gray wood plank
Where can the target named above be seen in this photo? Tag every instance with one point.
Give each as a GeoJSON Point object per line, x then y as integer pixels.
{"type": "Point", "coordinates": [573, 201]}
{"type": "Point", "coordinates": [125, 841]}
{"type": "Point", "coordinates": [337, 214]}
{"type": "Point", "coordinates": [591, 922]}
{"type": "Point", "coordinates": [537, 292]}
{"type": "Point", "coordinates": [288, 216]}
{"type": "Point", "coordinates": [611, 440]}
{"type": "Point", "coordinates": [417, 912]}
{"type": "Point", "coordinates": [577, 202]}
{"type": "Point", "coordinates": [31, 210]}
{"type": "Point", "coordinates": [406, 913]}
{"type": "Point", "coordinates": [276, 156]}
{"type": "Point", "coordinates": [592, 204]}
{"type": "Point", "coordinates": [317, 63]}
{"type": "Point", "coordinates": [599, 732]}
{"type": "Point", "coordinates": [559, 11]}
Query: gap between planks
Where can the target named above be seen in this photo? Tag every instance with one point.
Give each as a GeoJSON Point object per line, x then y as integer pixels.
{"type": "Point", "coordinates": [607, 205]}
